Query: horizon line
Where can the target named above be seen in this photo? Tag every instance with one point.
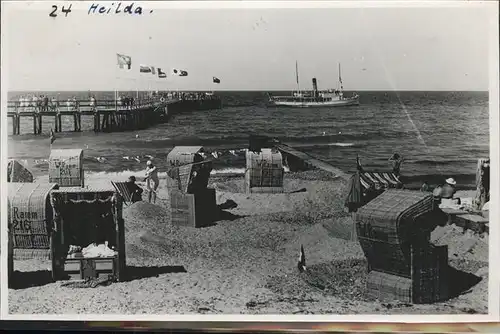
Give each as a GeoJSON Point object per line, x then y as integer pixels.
{"type": "Point", "coordinates": [248, 90]}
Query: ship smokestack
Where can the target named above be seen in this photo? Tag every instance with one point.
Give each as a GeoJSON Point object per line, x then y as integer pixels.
{"type": "Point", "coordinates": [315, 87]}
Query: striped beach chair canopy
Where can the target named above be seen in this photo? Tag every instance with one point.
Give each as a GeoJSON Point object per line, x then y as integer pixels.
{"type": "Point", "coordinates": [379, 181]}
{"type": "Point", "coordinates": [365, 186]}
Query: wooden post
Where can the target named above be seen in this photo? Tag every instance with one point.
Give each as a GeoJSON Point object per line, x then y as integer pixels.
{"type": "Point", "coordinates": [14, 126]}
{"type": "Point", "coordinates": [18, 124]}
{"type": "Point", "coordinates": [34, 124]}
{"type": "Point", "coordinates": [59, 120]}
{"type": "Point", "coordinates": [482, 183]}
{"type": "Point", "coordinates": [39, 123]}
{"type": "Point", "coordinates": [120, 235]}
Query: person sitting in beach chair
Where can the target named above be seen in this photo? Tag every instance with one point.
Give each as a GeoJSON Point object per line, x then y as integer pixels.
{"type": "Point", "coordinates": [134, 190]}
{"type": "Point", "coordinates": [129, 190]}
{"type": "Point", "coordinates": [425, 187]}
{"type": "Point", "coordinates": [446, 191]}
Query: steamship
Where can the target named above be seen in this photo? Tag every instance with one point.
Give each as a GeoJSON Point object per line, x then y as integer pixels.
{"type": "Point", "coordinates": [329, 98]}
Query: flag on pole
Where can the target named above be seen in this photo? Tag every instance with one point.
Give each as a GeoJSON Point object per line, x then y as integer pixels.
{"type": "Point", "coordinates": [216, 80]}
{"type": "Point", "coordinates": [161, 74]}
{"type": "Point", "coordinates": [52, 136]}
{"type": "Point", "coordinates": [180, 73]}
{"type": "Point", "coordinates": [145, 69]}
{"type": "Point", "coordinates": [123, 60]}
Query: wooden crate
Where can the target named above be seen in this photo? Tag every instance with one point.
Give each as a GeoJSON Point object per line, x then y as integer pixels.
{"type": "Point", "coordinates": [475, 223]}
{"type": "Point", "coordinates": [195, 210]}
{"type": "Point", "coordinates": [83, 268]}
{"type": "Point", "coordinates": [66, 168]}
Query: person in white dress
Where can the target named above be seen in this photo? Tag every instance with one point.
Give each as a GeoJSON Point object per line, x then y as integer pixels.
{"type": "Point", "coordinates": [152, 180]}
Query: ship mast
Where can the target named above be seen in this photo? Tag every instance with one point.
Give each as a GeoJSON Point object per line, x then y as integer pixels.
{"type": "Point", "coordinates": [297, 76]}
{"type": "Point", "coordinates": [341, 92]}
{"type": "Point", "coordinates": [340, 80]}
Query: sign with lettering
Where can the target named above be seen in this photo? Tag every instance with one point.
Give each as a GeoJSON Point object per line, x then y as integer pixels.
{"type": "Point", "coordinates": [22, 220]}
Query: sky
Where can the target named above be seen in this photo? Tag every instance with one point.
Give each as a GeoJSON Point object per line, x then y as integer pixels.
{"type": "Point", "coordinates": [248, 49]}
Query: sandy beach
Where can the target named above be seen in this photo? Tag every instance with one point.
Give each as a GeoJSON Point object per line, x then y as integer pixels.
{"type": "Point", "coordinates": [247, 262]}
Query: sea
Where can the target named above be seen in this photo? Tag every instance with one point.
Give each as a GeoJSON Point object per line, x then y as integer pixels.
{"type": "Point", "coordinates": [440, 134]}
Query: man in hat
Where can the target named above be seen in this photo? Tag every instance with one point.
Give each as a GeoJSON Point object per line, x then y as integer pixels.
{"type": "Point", "coordinates": [134, 189]}
{"type": "Point", "coordinates": [152, 180]}
{"type": "Point", "coordinates": [447, 190]}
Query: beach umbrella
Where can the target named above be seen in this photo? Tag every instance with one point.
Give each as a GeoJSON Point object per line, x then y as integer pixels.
{"type": "Point", "coordinates": [355, 197]}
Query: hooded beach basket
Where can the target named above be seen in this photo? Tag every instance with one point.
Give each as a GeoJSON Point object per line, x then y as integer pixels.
{"type": "Point", "coordinates": [264, 171]}
{"type": "Point", "coordinates": [187, 171]}
{"type": "Point", "coordinates": [66, 167]}
{"type": "Point", "coordinates": [191, 202]}
{"type": "Point", "coordinates": [86, 216]}
{"type": "Point", "coordinates": [16, 172]}
{"type": "Point", "coordinates": [30, 222]}
{"type": "Point", "coordinates": [394, 232]}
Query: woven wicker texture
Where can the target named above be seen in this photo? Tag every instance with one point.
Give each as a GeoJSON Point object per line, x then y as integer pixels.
{"type": "Point", "coordinates": [264, 170]}
{"type": "Point", "coordinates": [29, 211]}
{"type": "Point", "coordinates": [182, 155]}
{"type": "Point", "coordinates": [383, 286]}
{"type": "Point", "coordinates": [94, 190]}
{"type": "Point", "coordinates": [16, 172]}
{"type": "Point", "coordinates": [66, 167]}
{"type": "Point", "coordinates": [28, 254]}
{"type": "Point", "coordinates": [187, 171]}
{"type": "Point", "coordinates": [385, 225]}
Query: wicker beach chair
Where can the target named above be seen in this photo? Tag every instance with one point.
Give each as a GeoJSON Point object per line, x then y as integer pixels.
{"type": "Point", "coordinates": [121, 188]}
{"type": "Point", "coordinates": [394, 232]}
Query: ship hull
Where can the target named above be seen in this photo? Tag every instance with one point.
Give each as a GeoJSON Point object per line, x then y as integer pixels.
{"type": "Point", "coordinates": [309, 104]}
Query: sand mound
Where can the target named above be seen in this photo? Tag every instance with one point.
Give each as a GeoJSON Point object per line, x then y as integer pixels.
{"type": "Point", "coordinates": [462, 245]}
{"type": "Point", "coordinates": [341, 278]}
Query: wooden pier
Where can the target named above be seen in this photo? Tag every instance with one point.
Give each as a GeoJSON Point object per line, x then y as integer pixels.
{"type": "Point", "coordinates": [298, 161]}
{"type": "Point", "coordinates": [108, 115]}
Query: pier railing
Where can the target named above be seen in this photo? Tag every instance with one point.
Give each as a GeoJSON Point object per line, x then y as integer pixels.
{"type": "Point", "coordinates": [81, 106]}
{"type": "Point", "coordinates": [72, 106]}
{"type": "Point", "coordinates": [108, 115]}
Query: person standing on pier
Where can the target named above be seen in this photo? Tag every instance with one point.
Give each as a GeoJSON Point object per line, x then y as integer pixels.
{"type": "Point", "coordinates": [53, 104]}
{"type": "Point", "coordinates": [68, 104]}
{"type": "Point", "coordinates": [93, 103]}
{"type": "Point", "coordinates": [152, 180]}
{"type": "Point", "coordinates": [21, 104]}
{"type": "Point", "coordinates": [45, 103]}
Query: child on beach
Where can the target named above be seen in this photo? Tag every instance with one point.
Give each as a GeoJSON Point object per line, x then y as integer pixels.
{"type": "Point", "coordinates": [396, 161]}
{"type": "Point", "coordinates": [152, 180]}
